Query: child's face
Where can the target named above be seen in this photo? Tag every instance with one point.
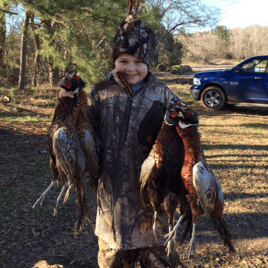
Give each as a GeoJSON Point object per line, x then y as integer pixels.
{"type": "Point", "coordinates": [133, 69]}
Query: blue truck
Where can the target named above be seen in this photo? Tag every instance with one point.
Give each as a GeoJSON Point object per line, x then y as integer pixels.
{"type": "Point", "coordinates": [246, 82]}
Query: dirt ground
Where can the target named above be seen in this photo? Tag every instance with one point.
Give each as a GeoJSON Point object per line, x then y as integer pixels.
{"type": "Point", "coordinates": [35, 238]}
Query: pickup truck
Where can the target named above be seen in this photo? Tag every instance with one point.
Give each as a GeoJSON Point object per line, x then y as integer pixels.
{"type": "Point", "coordinates": [247, 82]}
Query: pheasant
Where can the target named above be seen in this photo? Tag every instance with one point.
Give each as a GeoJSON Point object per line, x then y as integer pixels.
{"type": "Point", "coordinates": [160, 181]}
{"type": "Point", "coordinates": [72, 148]}
{"type": "Point", "coordinates": [202, 187]}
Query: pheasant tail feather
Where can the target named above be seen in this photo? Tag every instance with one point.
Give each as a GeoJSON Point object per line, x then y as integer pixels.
{"type": "Point", "coordinates": [221, 226]}
{"type": "Point", "coordinates": [82, 203]}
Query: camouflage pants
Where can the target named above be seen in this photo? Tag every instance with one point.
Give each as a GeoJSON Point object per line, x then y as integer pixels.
{"type": "Point", "coordinates": [151, 257]}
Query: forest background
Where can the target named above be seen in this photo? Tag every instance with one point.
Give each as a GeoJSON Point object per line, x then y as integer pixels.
{"type": "Point", "coordinates": [39, 39]}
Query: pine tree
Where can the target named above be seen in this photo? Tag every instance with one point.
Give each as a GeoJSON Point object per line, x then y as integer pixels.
{"type": "Point", "coordinates": [2, 36]}
{"type": "Point", "coordinates": [23, 54]}
{"type": "Point", "coordinates": [78, 32]}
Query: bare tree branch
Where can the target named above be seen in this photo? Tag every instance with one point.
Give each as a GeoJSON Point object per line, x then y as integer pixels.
{"type": "Point", "coordinates": [8, 12]}
{"type": "Point", "coordinates": [185, 13]}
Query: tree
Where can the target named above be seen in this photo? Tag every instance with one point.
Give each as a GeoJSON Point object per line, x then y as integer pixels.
{"type": "Point", "coordinates": [169, 50]}
{"type": "Point", "coordinates": [37, 58]}
{"type": "Point", "coordinates": [184, 13]}
{"type": "Point", "coordinates": [248, 42]}
{"type": "Point", "coordinates": [23, 54]}
{"type": "Point", "coordinates": [2, 39]}
{"type": "Point", "coordinates": [79, 32]}
{"type": "Point", "coordinates": [223, 33]}
{"type": "Point", "coordinates": [3, 11]}
{"type": "Point", "coordinates": [203, 47]}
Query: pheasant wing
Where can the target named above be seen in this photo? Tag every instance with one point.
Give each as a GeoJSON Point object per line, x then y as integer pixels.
{"type": "Point", "coordinates": [71, 163]}
{"type": "Point", "coordinates": [67, 148]}
{"type": "Point", "coordinates": [147, 169]}
{"type": "Point", "coordinates": [89, 149]}
{"type": "Point", "coordinates": [205, 184]}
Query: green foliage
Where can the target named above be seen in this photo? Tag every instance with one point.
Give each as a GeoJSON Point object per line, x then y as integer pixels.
{"type": "Point", "coordinates": [72, 32]}
{"type": "Point", "coordinates": [80, 32]}
{"type": "Point", "coordinates": [151, 16]}
{"type": "Point", "coordinates": [3, 4]}
{"type": "Point", "coordinates": [223, 33]}
{"type": "Point", "coordinates": [2, 40]}
{"type": "Point", "coordinates": [14, 94]}
{"type": "Point", "coordinates": [11, 57]}
{"type": "Point", "coordinates": [169, 50]}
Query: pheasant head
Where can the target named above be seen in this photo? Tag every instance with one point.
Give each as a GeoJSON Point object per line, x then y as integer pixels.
{"type": "Point", "coordinates": [179, 113]}
{"type": "Point", "coordinates": [72, 82]}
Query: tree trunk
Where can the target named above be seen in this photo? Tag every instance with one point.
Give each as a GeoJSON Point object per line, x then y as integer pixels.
{"type": "Point", "coordinates": [54, 76]}
{"type": "Point", "coordinates": [37, 58]}
{"type": "Point", "coordinates": [23, 53]}
{"type": "Point", "coordinates": [53, 72]}
{"type": "Point", "coordinates": [2, 40]}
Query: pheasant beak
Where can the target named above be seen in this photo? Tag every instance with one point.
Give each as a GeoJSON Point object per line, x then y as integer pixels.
{"type": "Point", "coordinates": [76, 92]}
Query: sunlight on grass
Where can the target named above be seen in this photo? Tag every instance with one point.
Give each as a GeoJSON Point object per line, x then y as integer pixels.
{"type": "Point", "coordinates": [19, 118]}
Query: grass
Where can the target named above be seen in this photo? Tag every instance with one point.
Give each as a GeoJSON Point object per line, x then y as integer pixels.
{"type": "Point", "coordinates": [235, 144]}
{"type": "Point", "coordinates": [22, 118]}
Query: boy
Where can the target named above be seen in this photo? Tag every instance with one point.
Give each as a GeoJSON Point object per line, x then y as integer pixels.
{"type": "Point", "coordinates": [127, 111]}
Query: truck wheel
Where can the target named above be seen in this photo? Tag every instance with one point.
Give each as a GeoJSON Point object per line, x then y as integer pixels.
{"type": "Point", "coordinates": [213, 98]}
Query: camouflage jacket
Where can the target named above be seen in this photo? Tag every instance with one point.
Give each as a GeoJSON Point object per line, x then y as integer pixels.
{"type": "Point", "coordinates": [127, 125]}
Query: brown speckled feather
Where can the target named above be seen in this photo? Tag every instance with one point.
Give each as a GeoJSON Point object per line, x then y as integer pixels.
{"type": "Point", "coordinates": [203, 189]}
{"type": "Point", "coordinates": [72, 149]}
{"type": "Point", "coordinates": [160, 176]}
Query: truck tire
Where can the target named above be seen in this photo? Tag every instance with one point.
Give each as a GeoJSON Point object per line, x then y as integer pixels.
{"type": "Point", "coordinates": [213, 98]}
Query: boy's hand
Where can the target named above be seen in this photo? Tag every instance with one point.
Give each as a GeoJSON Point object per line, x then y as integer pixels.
{"type": "Point", "coordinates": [63, 93]}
